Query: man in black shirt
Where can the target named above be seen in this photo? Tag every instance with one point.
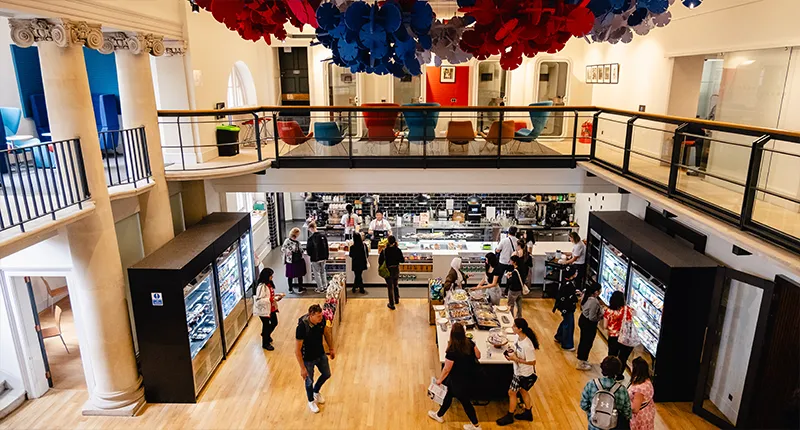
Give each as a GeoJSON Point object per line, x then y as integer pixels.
{"type": "Point", "coordinates": [311, 328]}
{"type": "Point", "coordinates": [317, 249]}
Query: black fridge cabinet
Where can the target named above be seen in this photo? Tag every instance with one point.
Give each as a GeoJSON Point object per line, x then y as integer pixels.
{"type": "Point", "coordinates": [189, 303]}
{"type": "Point", "coordinates": [669, 286]}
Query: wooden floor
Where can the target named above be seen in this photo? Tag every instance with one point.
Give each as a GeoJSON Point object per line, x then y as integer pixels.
{"type": "Point", "coordinates": [66, 368]}
{"type": "Point", "coordinates": [384, 362]}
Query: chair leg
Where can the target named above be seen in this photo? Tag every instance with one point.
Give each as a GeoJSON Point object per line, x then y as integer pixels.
{"type": "Point", "coordinates": [65, 343]}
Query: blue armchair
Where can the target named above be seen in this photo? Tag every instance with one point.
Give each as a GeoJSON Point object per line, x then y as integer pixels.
{"type": "Point", "coordinates": [106, 116]}
{"type": "Point", "coordinates": [327, 134]}
{"type": "Point", "coordinates": [421, 125]}
{"type": "Point", "coordinates": [538, 121]}
{"type": "Point", "coordinates": [39, 110]}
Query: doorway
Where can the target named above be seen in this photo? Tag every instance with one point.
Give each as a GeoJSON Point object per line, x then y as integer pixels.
{"type": "Point", "coordinates": [406, 90]}
{"type": "Point", "coordinates": [553, 85]}
{"type": "Point", "coordinates": [343, 89]}
{"type": "Point", "coordinates": [293, 63]}
{"type": "Point", "coordinates": [491, 83]}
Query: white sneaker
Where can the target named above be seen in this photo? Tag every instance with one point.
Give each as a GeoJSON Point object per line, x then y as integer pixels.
{"type": "Point", "coordinates": [435, 416]}
{"type": "Point", "coordinates": [319, 399]}
{"type": "Point", "coordinates": [472, 427]}
{"type": "Point", "coordinates": [313, 406]}
{"type": "Point", "coordinates": [584, 365]}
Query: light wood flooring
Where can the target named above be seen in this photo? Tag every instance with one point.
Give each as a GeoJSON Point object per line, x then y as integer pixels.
{"type": "Point", "coordinates": [66, 368]}
{"type": "Point", "coordinates": [384, 363]}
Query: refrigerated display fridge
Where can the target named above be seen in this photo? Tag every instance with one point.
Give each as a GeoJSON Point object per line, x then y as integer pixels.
{"type": "Point", "coordinates": [248, 271]}
{"type": "Point", "coordinates": [188, 307]}
{"type": "Point", "coordinates": [668, 285]}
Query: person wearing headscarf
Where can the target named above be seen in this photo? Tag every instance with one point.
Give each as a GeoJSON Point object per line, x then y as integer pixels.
{"type": "Point", "coordinates": [456, 278]}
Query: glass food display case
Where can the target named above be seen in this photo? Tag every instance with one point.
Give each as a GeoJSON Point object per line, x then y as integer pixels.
{"type": "Point", "coordinates": [646, 298]}
{"type": "Point", "coordinates": [201, 319]}
{"type": "Point", "coordinates": [613, 272]}
{"type": "Point", "coordinates": [231, 294]}
{"type": "Point", "coordinates": [248, 270]}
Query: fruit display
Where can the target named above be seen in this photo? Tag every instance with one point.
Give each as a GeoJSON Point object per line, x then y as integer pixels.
{"type": "Point", "coordinates": [459, 296]}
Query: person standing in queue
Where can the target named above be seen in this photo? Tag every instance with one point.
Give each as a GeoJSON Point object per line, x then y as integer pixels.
{"type": "Point", "coordinates": [515, 283]}
{"type": "Point", "coordinates": [565, 302]}
{"type": "Point", "coordinates": [266, 307]}
{"type": "Point", "coordinates": [641, 393]}
{"type": "Point", "coordinates": [610, 367]}
{"type": "Point", "coordinates": [293, 258]}
{"type": "Point", "coordinates": [379, 228]}
{"type": "Point", "coordinates": [616, 313]}
{"type": "Point", "coordinates": [393, 256]}
{"type": "Point", "coordinates": [523, 357]}
{"type": "Point", "coordinates": [311, 329]}
{"type": "Point", "coordinates": [458, 374]}
{"type": "Point", "coordinates": [359, 255]}
{"type": "Point", "coordinates": [526, 267]}
{"type": "Point", "coordinates": [351, 222]}
{"type": "Point", "coordinates": [577, 257]}
{"type": "Point", "coordinates": [591, 315]}
{"type": "Point", "coordinates": [318, 252]}
{"type": "Point", "coordinates": [505, 249]}
{"type": "Point", "coordinates": [491, 279]}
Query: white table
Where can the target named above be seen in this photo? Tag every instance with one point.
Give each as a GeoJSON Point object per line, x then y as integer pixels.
{"type": "Point", "coordinates": [489, 354]}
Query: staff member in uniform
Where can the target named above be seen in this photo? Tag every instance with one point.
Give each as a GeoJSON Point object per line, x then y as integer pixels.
{"type": "Point", "coordinates": [577, 258]}
{"type": "Point", "coordinates": [506, 248]}
{"type": "Point", "coordinates": [351, 222]}
{"type": "Point", "coordinates": [379, 224]}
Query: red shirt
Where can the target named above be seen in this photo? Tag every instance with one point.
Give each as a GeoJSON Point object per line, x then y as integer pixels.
{"type": "Point", "coordinates": [614, 320]}
{"type": "Point", "coordinates": [273, 302]}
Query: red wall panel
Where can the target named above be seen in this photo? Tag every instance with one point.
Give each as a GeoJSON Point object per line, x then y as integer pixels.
{"type": "Point", "coordinates": [442, 93]}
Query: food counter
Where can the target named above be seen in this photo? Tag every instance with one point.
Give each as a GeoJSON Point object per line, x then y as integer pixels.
{"type": "Point", "coordinates": [495, 375]}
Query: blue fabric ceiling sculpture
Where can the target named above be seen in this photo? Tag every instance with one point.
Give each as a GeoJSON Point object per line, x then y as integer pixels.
{"type": "Point", "coordinates": [382, 39]}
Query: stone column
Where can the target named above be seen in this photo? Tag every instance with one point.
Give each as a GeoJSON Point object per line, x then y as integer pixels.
{"type": "Point", "coordinates": [138, 101]}
{"type": "Point", "coordinates": [96, 282]}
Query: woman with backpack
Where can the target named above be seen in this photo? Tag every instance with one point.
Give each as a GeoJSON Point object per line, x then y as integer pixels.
{"type": "Point", "coordinates": [393, 257]}
{"type": "Point", "coordinates": [565, 302]}
{"type": "Point", "coordinates": [359, 255]}
{"type": "Point", "coordinates": [616, 313]}
{"type": "Point", "coordinates": [266, 307]}
{"type": "Point", "coordinates": [591, 314]}
{"type": "Point", "coordinates": [600, 394]}
{"type": "Point", "coordinates": [523, 357]}
{"type": "Point", "coordinates": [641, 393]}
{"type": "Point", "coordinates": [293, 258]}
{"type": "Point", "coordinates": [458, 373]}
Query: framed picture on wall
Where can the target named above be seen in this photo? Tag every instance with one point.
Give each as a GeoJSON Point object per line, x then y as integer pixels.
{"type": "Point", "coordinates": [606, 73]}
{"type": "Point", "coordinates": [588, 74]}
{"type": "Point", "coordinates": [448, 74]}
{"type": "Point", "coordinates": [594, 74]}
{"type": "Point", "coordinates": [615, 73]}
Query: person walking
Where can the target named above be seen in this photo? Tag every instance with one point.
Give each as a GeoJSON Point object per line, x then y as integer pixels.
{"type": "Point", "coordinates": [393, 257]}
{"type": "Point", "coordinates": [577, 258]}
{"type": "Point", "coordinates": [565, 302]}
{"type": "Point", "coordinates": [458, 374]}
{"type": "Point", "coordinates": [515, 284]}
{"type": "Point", "coordinates": [266, 307]}
{"type": "Point", "coordinates": [505, 249]}
{"type": "Point", "coordinates": [491, 279]}
{"type": "Point", "coordinates": [523, 358]}
{"type": "Point", "coordinates": [641, 393]}
{"type": "Point", "coordinates": [526, 268]}
{"type": "Point", "coordinates": [617, 312]}
{"type": "Point", "coordinates": [294, 261]}
{"type": "Point", "coordinates": [311, 329]}
{"type": "Point", "coordinates": [591, 314]}
{"type": "Point", "coordinates": [318, 252]}
{"type": "Point", "coordinates": [456, 278]}
{"type": "Point", "coordinates": [359, 255]}
{"type": "Point", "coordinates": [610, 368]}
{"type": "Point", "coordinates": [351, 222]}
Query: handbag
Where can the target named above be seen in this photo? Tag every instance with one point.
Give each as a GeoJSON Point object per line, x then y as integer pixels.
{"type": "Point", "coordinates": [525, 289]}
{"type": "Point", "coordinates": [628, 334]}
{"type": "Point", "coordinates": [262, 307]}
{"type": "Point", "coordinates": [383, 271]}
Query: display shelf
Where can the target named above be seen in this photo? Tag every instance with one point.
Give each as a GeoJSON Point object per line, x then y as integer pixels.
{"type": "Point", "coordinates": [199, 304]}
{"type": "Point", "coordinates": [247, 260]}
{"type": "Point", "coordinates": [230, 287]}
{"type": "Point", "coordinates": [613, 273]}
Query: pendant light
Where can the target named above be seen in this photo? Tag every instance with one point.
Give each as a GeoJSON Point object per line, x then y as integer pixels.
{"type": "Point", "coordinates": [312, 198]}
{"type": "Point", "coordinates": [195, 7]}
{"type": "Point", "coordinates": [422, 199]}
{"type": "Point", "coordinates": [529, 198]}
{"type": "Point", "coordinates": [691, 4]}
{"type": "Point", "coordinates": [367, 200]}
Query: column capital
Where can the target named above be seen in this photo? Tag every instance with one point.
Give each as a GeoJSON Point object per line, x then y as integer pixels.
{"type": "Point", "coordinates": [136, 43]}
{"type": "Point", "coordinates": [175, 48]}
{"type": "Point", "coordinates": [63, 32]}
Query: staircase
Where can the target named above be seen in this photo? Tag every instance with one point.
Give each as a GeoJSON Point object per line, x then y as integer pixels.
{"type": "Point", "coordinates": [10, 397]}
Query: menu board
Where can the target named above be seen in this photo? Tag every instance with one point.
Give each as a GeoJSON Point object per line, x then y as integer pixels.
{"type": "Point", "coordinates": [613, 272]}
{"type": "Point", "coordinates": [646, 298]}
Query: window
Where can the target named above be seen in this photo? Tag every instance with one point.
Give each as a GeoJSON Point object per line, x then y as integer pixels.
{"type": "Point", "coordinates": [241, 88]}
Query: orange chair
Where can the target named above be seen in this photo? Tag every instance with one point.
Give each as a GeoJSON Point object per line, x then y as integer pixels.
{"type": "Point", "coordinates": [51, 293]}
{"type": "Point", "coordinates": [291, 133]}
{"type": "Point", "coordinates": [494, 136]}
{"type": "Point", "coordinates": [460, 132]}
{"type": "Point", "coordinates": [380, 125]}
{"type": "Point", "coordinates": [48, 332]}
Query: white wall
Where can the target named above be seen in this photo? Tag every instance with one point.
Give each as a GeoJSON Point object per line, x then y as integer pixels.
{"type": "Point", "coordinates": [9, 361]}
{"type": "Point", "coordinates": [49, 255]}
{"type": "Point", "coordinates": [9, 96]}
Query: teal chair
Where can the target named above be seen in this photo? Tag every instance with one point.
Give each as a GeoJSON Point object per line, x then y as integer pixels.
{"type": "Point", "coordinates": [11, 117]}
{"type": "Point", "coordinates": [538, 121]}
{"type": "Point", "coordinates": [421, 125]}
{"type": "Point", "coordinates": [327, 133]}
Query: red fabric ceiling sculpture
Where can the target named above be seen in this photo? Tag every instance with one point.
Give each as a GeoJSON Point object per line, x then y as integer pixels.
{"type": "Point", "coordinates": [256, 19]}
{"type": "Point", "coordinates": [512, 29]}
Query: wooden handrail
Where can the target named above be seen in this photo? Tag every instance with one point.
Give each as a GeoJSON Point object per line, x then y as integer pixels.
{"type": "Point", "coordinates": [742, 128]}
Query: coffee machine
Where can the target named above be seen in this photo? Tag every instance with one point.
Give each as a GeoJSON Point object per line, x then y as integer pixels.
{"type": "Point", "coordinates": [473, 213]}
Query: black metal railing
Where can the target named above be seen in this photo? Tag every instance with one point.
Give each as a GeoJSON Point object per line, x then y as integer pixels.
{"type": "Point", "coordinates": [40, 180]}
{"type": "Point", "coordinates": [126, 159]}
{"type": "Point", "coordinates": [744, 183]}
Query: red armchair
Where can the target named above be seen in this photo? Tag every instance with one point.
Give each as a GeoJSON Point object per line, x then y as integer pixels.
{"type": "Point", "coordinates": [380, 125]}
{"type": "Point", "coordinates": [291, 133]}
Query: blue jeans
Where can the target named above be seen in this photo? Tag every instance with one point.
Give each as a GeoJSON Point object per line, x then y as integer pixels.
{"type": "Point", "coordinates": [324, 374]}
{"type": "Point", "coordinates": [565, 331]}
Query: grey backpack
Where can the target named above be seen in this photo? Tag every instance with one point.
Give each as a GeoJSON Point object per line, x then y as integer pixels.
{"type": "Point", "coordinates": [603, 414]}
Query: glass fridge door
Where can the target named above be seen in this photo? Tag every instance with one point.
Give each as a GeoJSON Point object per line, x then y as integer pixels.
{"type": "Point", "coordinates": [613, 272]}
{"type": "Point", "coordinates": [201, 319]}
{"type": "Point", "coordinates": [646, 298]}
{"type": "Point", "coordinates": [230, 279]}
{"type": "Point", "coordinates": [247, 259]}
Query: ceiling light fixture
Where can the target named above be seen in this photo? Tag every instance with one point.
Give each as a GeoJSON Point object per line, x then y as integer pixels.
{"type": "Point", "coordinates": [691, 4]}
{"type": "Point", "coordinates": [195, 7]}
{"type": "Point", "coordinates": [422, 199]}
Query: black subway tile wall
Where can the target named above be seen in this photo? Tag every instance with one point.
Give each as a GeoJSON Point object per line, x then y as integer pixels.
{"type": "Point", "coordinates": [401, 203]}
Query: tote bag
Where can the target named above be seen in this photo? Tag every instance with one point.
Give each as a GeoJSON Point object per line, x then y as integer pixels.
{"type": "Point", "coordinates": [628, 335]}
{"type": "Point", "coordinates": [261, 305]}
{"type": "Point", "coordinates": [525, 289]}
